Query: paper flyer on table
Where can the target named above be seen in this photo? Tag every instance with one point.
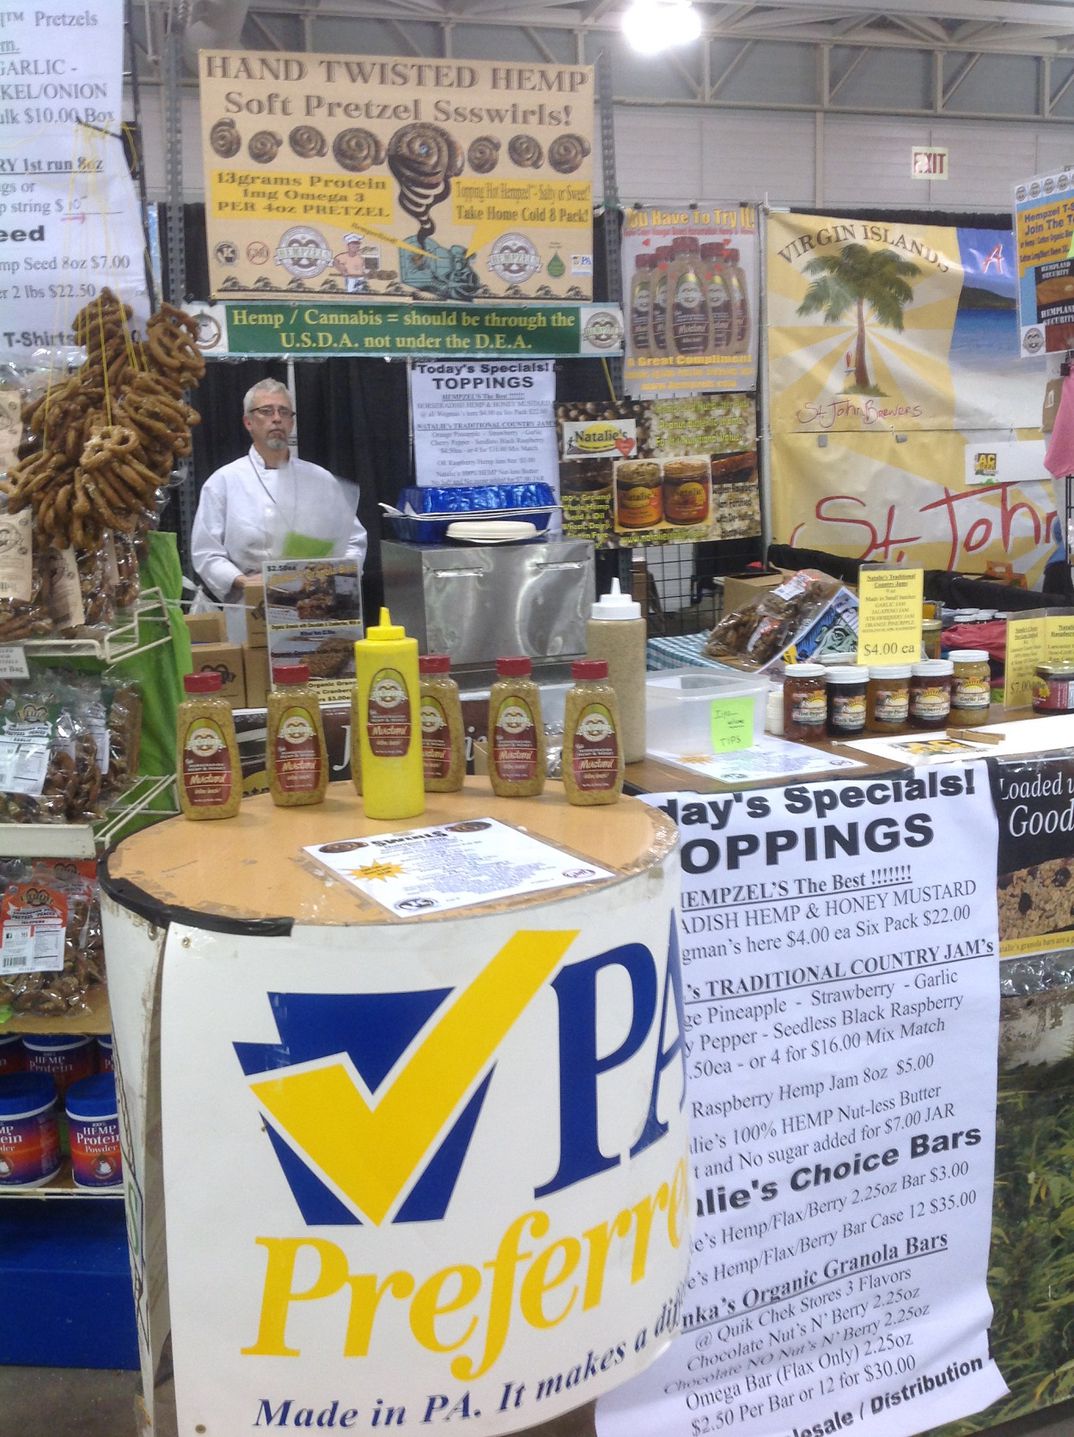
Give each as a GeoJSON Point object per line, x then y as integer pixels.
{"type": "Point", "coordinates": [451, 865]}
{"type": "Point", "coordinates": [771, 758]}
{"type": "Point", "coordinates": [840, 953]}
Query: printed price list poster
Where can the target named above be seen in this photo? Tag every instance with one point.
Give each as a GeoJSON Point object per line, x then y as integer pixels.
{"type": "Point", "coordinates": [840, 955]}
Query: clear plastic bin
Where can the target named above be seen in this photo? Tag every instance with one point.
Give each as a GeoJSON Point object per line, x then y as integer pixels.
{"type": "Point", "coordinates": [679, 706]}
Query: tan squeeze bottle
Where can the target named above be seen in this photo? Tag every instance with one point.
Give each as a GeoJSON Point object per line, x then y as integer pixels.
{"type": "Point", "coordinates": [209, 773]}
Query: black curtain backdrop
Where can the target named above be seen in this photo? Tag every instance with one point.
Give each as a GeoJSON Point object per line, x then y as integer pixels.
{"type": "Point", "coordinates": [353, 414]}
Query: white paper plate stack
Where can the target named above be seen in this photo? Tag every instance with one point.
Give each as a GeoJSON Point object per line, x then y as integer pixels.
{"type": "Point", "coordinates": [491, 531]}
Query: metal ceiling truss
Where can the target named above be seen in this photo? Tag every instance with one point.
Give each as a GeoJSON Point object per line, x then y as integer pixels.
{"type": "Point", "coordinates": [951, 37]}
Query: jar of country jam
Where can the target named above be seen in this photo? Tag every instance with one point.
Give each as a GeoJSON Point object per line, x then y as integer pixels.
{"type": "Point", "coordinates": [887, 700]}
{"type": "Point", "coordinates": [930, 693]}
{"type": "Point", "coordinates": [1053, 689]}
{"type": "Point", "coordinates": [846, 700]}
{"type": "Point", "coordinates": [638, 499]}
{"type": "Point", "coordinates": [931, 634]}
{"type": "Point", "coordinates": [971, 690]}
{"type": "Point", "coordinates": [805, 701]}
{"type": "Point", "coordinates": [686, 491]}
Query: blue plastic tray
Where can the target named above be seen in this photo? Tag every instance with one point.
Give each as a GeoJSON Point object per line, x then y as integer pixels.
{"type": "Point", "coordinates": [435, 509]}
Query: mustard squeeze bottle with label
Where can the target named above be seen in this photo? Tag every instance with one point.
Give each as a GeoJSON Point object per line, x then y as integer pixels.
{"type": "Point", "coordinates": [443, 742]}
{"type": "Point", "coordinates": [209, 773]}
{"type": "Point", "coordinates": [389, 721]}
{"type": "Point", "coordinates": [517, 759]}
{"type": "Point", "coordinates": [592, 742]}
{"type": "Point", "coordinates": [294, 742]}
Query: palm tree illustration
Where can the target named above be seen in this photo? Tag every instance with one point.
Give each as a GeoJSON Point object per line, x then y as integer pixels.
{"type": "Point", "coordinates": [875, 279]}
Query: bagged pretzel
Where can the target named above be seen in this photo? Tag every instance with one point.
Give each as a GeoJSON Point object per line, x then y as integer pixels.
{"type": "Point", "coordinates": [53, 916]}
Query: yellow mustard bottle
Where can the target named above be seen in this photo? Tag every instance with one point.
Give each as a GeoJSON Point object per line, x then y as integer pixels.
{"type": "Point", "coordinates": [295, 747]}
{"type": "Point", "coordinates": [355, 746]}
{"type": "Point", "coordinates": [389, 722]}
{"type": "Point", "coordinates": [209, 772]}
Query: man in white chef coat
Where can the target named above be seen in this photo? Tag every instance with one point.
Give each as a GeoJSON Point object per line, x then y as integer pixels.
{"type": "Point", "coordinates": [239, 520]}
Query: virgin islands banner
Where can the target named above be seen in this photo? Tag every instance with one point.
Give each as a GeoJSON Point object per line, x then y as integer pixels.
{"type": "Point", "coordinates": [893, 363]}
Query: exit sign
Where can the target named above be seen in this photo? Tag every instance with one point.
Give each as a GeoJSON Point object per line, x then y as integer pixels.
{"type": "Point", "coordinates": [928, 163]}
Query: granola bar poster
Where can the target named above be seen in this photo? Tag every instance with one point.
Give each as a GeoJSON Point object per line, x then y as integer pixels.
{"type": "Point", "coordinates": [313, 616]}
{"type": "Point", "coordinates": [690, 282]}
{"type": "Point", "coordinates": [402, 177]}
{"type": "Point", "coordinates": [663, 471]}
{"type": "Point", "coordinates": [1034, 802]}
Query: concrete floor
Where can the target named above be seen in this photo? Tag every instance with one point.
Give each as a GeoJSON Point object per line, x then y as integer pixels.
{"type": "Point", "coordinates": [75, 1402]}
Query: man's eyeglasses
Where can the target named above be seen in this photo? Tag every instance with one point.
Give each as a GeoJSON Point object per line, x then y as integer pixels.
{"type": "Point", "coordinates": [268, 411]}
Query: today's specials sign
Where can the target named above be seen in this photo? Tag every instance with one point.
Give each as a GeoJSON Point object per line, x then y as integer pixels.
{"type": "Point", "coordinates": [406, 177]}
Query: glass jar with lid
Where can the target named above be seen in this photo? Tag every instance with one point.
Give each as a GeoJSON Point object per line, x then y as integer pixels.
{"type": "Point", "coordinates": [846, 700]}
{"type": "Point", "coordinates": [930, 693]}
{"type": "Point", "coordinates": [931, 636]}
{"type": "Point", "coordinates": [971, 688]}
{"type": "Point", "coordinates": [888, 698]}
{"type": "Point", "coordinates": [1053, 689]}
{"type": "Point", "coordinates": [805, 701]}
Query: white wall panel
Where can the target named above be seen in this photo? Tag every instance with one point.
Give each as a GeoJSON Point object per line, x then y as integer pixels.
{"type": "Point", "coordinates": [867, 162]}
{"type": "Point", "coordinates": [1055, 148]}
{"type": "Point", "coordinates": [786, 74]}
{"type": "Point", "coordinates": [689, 152]}
{"type": "Point", "coordinates": [884, 79]}
{"type": "Point", "coordinates": [984, 161]}
{"type": "Point", "coordinates": [997, 85]}
{"type": "Point", "coordinates": [658, 154]}
{"type": "Point", "coordinates": [748, 155]}
{"type": "Point", "coordinates": [153, 139]}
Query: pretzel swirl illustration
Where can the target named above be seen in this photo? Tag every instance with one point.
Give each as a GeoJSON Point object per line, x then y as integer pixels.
{"type": "Point", "coordinates": [424, 159]}
{"type": "Point", "coordinates": [224, 139]}
{"type": "Point", "coordinates": [567, 152]}
{"type": "Point", "coordinates": [483, 154]}
{"type": "Point", "coordinates": [307, 142]}
{"type": "Point", "coordinates": [525, 151]}
{"type": "Point", "coordinates": [264, 147]}
{"type": "Point", "coordinates": [357, 150]}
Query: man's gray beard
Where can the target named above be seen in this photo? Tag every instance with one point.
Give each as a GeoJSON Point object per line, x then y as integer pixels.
{"type": "Point", "coordinates": [276, 444]}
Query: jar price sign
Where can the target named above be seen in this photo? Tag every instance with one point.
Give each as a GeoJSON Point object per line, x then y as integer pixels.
{"type": "Point", "coordinates": [889, 615]}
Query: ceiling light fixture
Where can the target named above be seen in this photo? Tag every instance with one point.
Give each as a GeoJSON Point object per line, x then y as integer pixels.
{"type": "Point", "coordinates": [654, 25]}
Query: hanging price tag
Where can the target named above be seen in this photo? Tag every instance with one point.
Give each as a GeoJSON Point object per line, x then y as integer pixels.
{"type": "Point", "coordinates": [13, 662]}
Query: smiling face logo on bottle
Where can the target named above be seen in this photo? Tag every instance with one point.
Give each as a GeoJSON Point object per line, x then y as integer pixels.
{"type": "Point", "coordinates": [388, 723]}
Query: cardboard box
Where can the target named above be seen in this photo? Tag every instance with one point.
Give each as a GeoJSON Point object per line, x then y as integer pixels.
{"type": "Point", "coordinates": [227, 661]}
{"type": "Point", "coordinates": [254, 599]}
{"type": "Point", "coordinates": [207, 628]}
{"type": "Point", "coordinates": [740, 589]}
{"type": "Point", "coordinates": [256, 661]}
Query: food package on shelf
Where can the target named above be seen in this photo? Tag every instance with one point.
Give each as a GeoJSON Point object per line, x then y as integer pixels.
{"type": "Point", "coordinates": [101, 442]}
{"type": "Point", "coordinates": [99, 446]}
{"type": "Point", "coordinates": [124, 733]}
{"type": "Point", "coordinates": [24, 602]}
{"type": "Point", "coordinates": [51, 933]}
{"type": "Point", "coordinates": [125, 558]}
{"type": "Point", "coordinates": [49, 766]}
{"type": "Point", "coordinates": [755, 635]}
